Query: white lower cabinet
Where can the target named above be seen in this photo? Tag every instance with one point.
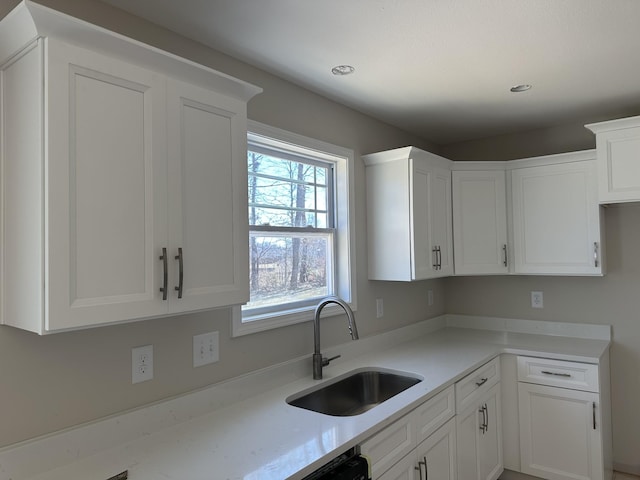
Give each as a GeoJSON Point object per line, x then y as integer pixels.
{"type": "Point", "coordinates": [561, 420]}
{"type": "Point", "coordinates": [425, 433]}
{"type": "Point", "coordinates": [434, 458]}
{"type": "Point", "coordinates": [479, 424]}
{"type": "Point", "coordinates": [563, 416]}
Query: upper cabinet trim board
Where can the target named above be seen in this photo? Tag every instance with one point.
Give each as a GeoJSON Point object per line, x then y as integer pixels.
{"type": "Point", "coordinates": [29, 20]}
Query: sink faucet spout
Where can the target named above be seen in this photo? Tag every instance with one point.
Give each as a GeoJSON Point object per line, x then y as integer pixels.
{"type": "Point", "coordinates": [318, 360]}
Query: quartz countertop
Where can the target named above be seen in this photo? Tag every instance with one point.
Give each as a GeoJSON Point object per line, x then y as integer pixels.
{"type": "Point", "coordinates": [261, 437]}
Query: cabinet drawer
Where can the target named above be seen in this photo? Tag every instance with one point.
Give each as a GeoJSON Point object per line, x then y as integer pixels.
{"type": "Point", "coordinates": [559, 373]}
{"type": "Point", "coordinates": [388, 446]}
{"type": "Point", "coordinates": [434, 413]}
{"type": "Point", "coordinates": [469, 389]}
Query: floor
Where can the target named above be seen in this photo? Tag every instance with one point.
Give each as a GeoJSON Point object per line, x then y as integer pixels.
{"type": "Point", "coordinates": [623, 476]}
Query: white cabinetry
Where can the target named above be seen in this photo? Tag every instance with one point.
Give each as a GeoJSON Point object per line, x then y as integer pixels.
{"type": "Point", "coordinates": [564, 420]}
{"type": "Point", "coordinates": [421, 441]}
{"type": "Point", "coordinates": [618, 147]}
{"type": "Point", "coordinates": [113, 163]}
{"type": "Point", "coordinates": [409, 216]}
{"type": "Point", "coordinates": [433, 458]}
{"type": "Point", "coordinates": [479, 424]}
{"type": "Point", "coordinates": [480, 221]}
{"type": "Point", "coordinates": [556, 217]}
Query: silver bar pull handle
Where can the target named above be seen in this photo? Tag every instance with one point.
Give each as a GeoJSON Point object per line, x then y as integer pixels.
{"type": "Point", "coordinates": [483, 425]}
{"type": "Point", "coordinates": [546, 372]}
{"type": "Point", "coordinates": [486, 425]}
{"type": "Point", "coordinates": [180, 272]}
{"type": "Point", "coordinates": [481, 382]}
{"type": "Point", "coordinates": [594, 415]}
{"type": "Point", "coordinates": [504, 252]}
{"type": "Point", "coordinates": [435, 257]}
{"type": "Point", "coordinates": [595, 254]}
{"type": "Point", "coordinates": [426, 468]}
{"type": "Point", "coordinates": [439, 258]}
{"type": "Point", "coordinates": [165, 276]}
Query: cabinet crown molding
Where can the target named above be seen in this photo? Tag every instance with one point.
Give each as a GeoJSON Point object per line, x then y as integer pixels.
{"type": "Point", "coordinates": [29, 21]}
{"type": "Point", "coordinates": [617, 124]}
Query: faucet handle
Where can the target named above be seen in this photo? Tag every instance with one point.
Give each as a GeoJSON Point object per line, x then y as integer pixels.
{"type": "Point", "coordinates": [326, 361]}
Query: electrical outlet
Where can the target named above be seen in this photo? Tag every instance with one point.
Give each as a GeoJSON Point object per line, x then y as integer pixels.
{"type": "Point", "coordinates": [141, 364]}
{"type": "Point", "coordinates": [537, 300]}
{"type": "Point", "coordinates": [379, 308]}
{"type": "Point", "coordinates": [205, 349]}
{"type": "Point", "coordinates": [430, 297]}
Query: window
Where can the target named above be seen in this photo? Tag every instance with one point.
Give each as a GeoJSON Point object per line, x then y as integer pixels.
{"type": "Point", "coordinates": [300, 243]}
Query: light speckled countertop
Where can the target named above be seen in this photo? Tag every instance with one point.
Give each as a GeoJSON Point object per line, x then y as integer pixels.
{"type": "Point", "coordinates": [261, 437]}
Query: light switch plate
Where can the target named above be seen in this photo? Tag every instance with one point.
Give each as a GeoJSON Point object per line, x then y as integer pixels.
{"type": "Point", "coordinates": [205, 349]}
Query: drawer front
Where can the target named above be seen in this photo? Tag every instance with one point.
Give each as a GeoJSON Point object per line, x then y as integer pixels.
{"type": "Point", "coordinates": [387, 447]}
{"type": "Point", "coordinates": [471, 387]}
{"type": "Point", "coordinates": [559, 373]}
{"type": "Point", "coordinates": [434, 413]}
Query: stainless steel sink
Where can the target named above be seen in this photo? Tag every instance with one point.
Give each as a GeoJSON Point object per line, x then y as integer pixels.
{"type": "Point", "coordinates": [354, 393]}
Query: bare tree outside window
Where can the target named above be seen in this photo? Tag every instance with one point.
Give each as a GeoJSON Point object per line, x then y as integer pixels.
{"type": "Point", "coordinates": [291, 235]}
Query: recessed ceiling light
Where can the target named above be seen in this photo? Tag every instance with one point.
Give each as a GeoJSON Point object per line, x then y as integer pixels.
{"type": "Point", "coordinates": [343, 70]}
{"type": "Point", "coordinates": [520, 88]}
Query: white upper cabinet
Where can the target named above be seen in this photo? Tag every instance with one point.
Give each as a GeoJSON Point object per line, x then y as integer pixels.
{"type": "Point", "coordinates": [556, 216]}
{"type": "Point", "coordinates": [409, 219]}
{"type": "Point", "coordinates": [124, 178]}
{"type": "Point", "coordinates": [207, 198]}
{"type": "Point", "coordinates": [480, 242]}
{"type": "Point", "coordinates": [618, 147]}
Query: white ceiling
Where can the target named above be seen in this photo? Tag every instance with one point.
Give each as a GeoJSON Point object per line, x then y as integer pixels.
{"type": "Point", "coordinates": [441, 69]}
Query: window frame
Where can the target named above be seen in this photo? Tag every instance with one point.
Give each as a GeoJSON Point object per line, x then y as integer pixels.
{"type": "Point", "coordinates": [344, 224]}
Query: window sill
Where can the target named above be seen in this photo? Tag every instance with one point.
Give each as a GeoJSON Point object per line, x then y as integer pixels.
{"type": "Point", "coordinates": [261, 323]}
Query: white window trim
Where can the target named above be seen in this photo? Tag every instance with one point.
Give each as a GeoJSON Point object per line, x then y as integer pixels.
{"type": "Point", "coordinates": [345, 270]}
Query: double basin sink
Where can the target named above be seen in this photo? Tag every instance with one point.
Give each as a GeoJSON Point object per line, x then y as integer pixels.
{"type": "Point", "coordinates": [355, 392]}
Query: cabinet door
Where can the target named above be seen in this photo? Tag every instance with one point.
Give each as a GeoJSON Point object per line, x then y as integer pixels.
{"type": "Point", "coordinates": [106, 189]}
{"type": "Point", "coordinates": [618, 166]}
{"type": "Point", "coordinates": [479, 222]}
{"type": "Point", "coordinates": [438, 454]}
{"type": "Point", "coordinates": [208, 198]}
{"type": "Point", "coordinates": [490, 464]}
{"type": "Point", "coordinates": [441, 221]}
{"type": "Point", "coordinates": [560, 434]}
{"type": "Point", "coordinates": [479, 438]}
{"type": "Point", "coordinates": [434, 458]}
{"type": "Point", "coordinates": [432, 243]}
{"type": "Point", "coordinates": [423, 258]}
{"type": "Point", "coordinates": [556, 220]}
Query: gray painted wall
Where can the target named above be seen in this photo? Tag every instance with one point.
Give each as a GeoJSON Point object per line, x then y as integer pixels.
{"type": "Point", "coordinates": [53, 382]}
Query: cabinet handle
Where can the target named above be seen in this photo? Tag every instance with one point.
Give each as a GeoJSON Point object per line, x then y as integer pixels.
{"type": "Point", "coordinates": [435, 258]}
{"type": "Point", "coordinates": [483, 426]}
{"type": "Point", "coordinates": [594, 415]}
{"type": "Point", "coordinates": [165, 276]}
{"type": "Point", "coordinates": [486, 424]}
{"type": "Point", "coordinates": [439, 258]}
{"type": "Point", "coordinates": [180, 272]}
{"type": "Point", "coordinates": [481, 382]}
{"type": "Point", "coordinates": [419, 468]}
{"type": "Point", "coordinates": [595, 254]}
{"type": "Point", "coordinates": [504, 252]}
{"type": "Point", "coordinates": [546, 372]}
